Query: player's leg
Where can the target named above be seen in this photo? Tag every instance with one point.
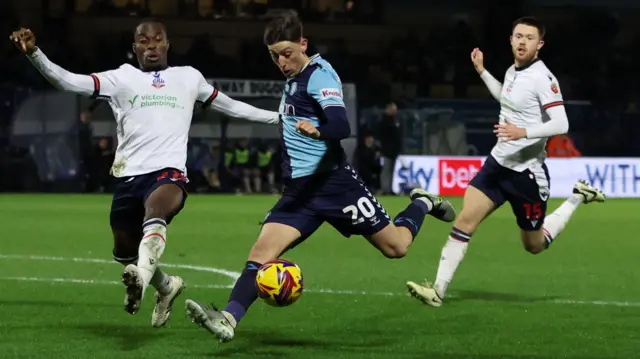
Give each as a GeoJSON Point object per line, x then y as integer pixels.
{"type": "Point", "coordinates": [481, 198]}
{"type": "Point", "coordinates": [395, 238]}
{"type": "Point", "coordinates": [127, 214]}
{"type": "Point", "coordinates": [354, 210]}
{"type": "Point", "coordinates": [283, 228]}
{"type": "Point", "coordinates": [164, 196]}
{"type": "Point", "coordinates": [165, 201]}
{"type": "Point", "coordinates": [537, 231]}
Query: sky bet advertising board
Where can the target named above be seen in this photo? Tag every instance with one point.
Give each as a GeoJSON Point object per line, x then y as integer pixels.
{"type": "Point", "coordinates": [450, 176]}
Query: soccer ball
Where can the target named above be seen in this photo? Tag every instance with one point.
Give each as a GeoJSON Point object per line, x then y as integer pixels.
{"type": "Point", "coordinates": [279, 282]}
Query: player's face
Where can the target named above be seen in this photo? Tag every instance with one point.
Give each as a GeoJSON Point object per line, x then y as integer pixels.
{"type": "Point", "coordinates": [289, 56]}
{"type": "Point", "coordinates": [151, 46]}
{"type": "Point", "coordinates": [525, 43]}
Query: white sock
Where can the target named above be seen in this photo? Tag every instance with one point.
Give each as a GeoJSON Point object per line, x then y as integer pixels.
{"type": "Point", "coordinates": [161, 281]}
{"type": "Point", "coordinates": [151, 247]}
{"type": "Point", "coordinates": [556, 221]}
{"type": "Point", "coordinates": [452, 254]}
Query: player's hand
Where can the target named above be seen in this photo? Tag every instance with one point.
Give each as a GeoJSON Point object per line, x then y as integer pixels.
{"type": "Point", "coordinates": [477, 58]}
{"type": "Point", "coordinates": [25, 40]}
{"type": "Point", "coordinates": [509, 132]}
{"type": "Point", "coordinates": [307, 128]}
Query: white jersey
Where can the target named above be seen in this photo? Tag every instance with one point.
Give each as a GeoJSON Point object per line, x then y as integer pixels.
{"type": "Point", "coordinates": [526, 94]}
{"type": "Point", "coordinates": [153, 111]}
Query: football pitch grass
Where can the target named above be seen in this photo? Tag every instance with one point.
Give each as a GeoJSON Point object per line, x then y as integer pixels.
{"type": "Point", "coordinates": [61, 296]}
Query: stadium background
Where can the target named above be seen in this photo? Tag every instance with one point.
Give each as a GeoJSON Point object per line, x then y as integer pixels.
{"type": "Point", "coordinates": [54, 255]}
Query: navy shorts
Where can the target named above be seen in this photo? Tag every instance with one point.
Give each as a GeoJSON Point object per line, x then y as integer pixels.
{"type": "Point", "coordinates": [337, 197]}
{"type": "Point", "coordinates": [526, 191]}
{"type": "Point", "coordinates": [130, 194]}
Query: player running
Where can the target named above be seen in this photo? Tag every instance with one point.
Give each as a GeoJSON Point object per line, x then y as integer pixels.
{"type": "Point", "coordinates": [531, 110]}
{"type": "Point", "coordinates": [153, 106]}
{"type": "Point", "coordinates": [320, 186]}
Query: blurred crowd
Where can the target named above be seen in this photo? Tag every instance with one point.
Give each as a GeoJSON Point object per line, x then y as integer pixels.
{"type": "Point", "coordinates": [428, 62]}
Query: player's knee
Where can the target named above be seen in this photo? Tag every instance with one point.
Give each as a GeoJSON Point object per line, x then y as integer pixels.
{"type": "Point", "coordinates": [395, 250]}
{"type": "Point", "coordinates": [533, 241]}
{"type": "Point", "coordinates": [273, 241]}
{"type": "Point", "coordinates": [533, 248]}
{"type": "Point", "coordinates": [163, 202]}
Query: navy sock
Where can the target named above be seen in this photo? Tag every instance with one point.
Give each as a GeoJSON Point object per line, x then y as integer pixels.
{"type": "Point", "coordinates": [412, 217]}
{"type": "Point", "coordinates": [244, 293]}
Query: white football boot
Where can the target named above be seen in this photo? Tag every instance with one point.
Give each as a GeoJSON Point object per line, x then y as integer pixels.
{"type": "Point", "coordinates": [588, 192]}
{"type": "Point", "coordinates": [219, 323]}
{"type": "Point", "coordinates": [164, 302]}
{"type": "Point", "coordinates": [425, 293]}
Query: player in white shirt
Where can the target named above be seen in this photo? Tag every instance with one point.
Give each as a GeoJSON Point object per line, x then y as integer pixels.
{"type": "Point", "coordinates": [153, 106]}
{"type": "Point", "coordinates": [531, 111]}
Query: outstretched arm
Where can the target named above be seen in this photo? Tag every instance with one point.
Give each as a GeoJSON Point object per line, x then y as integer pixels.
{"type": "Point", "coordinates": [25, 41]}
{"type": "Point", "coordinates": [87, 85]}
{"type": "Point", "coordinates": [211, 97]}
{"type": "Point", "coordinates": [494, 86]}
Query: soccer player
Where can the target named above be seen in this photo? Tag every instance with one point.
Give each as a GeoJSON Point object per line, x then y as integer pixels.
{"type": "Point", "coordinates": [319, 185]}
{"type": "Point", "coordinates": [153, 106]}
{"type": "Point", "coordinates": [531, 110]}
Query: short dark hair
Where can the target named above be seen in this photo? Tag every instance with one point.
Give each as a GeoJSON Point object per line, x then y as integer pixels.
{"type": "Point", "coordinates": [150, 20]}
{"type": "Point", "coordinates": [284, 27]}
{"type": "Point", "coordinates": [531, 21]}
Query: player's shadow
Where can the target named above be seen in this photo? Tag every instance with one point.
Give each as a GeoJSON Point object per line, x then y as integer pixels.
{"type": "Point", "coordinates": [127, 337]}
{"type": "Point", "coordinates": [461, 295]}
{"type": "Point", "coordinates": [262, 344]}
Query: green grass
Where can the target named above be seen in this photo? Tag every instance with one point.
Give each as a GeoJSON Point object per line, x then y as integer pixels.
{"type": "Point", "coordinates": [505, 302]}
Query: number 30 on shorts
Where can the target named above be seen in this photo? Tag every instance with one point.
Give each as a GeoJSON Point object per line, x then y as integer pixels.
{"type": "Point", "coordinates": [363, 209]}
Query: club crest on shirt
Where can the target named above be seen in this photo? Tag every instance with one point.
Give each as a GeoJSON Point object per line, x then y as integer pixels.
{"type": "Point", "coordinates": [157, 81]}
{"type": "Point", "coordinates": [554, 88]}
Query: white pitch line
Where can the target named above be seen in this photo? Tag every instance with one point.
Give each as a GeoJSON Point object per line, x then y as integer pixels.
{"type": "Point", "coordinates": [227, 273]}
{"type": "Point", "coordinates": [98, 282]}
{"type": "Point", "coordinates": [235, 276]}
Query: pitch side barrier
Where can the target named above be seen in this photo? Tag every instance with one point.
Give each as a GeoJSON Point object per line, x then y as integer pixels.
{"type": "Point", "coordinates": [449, 176]}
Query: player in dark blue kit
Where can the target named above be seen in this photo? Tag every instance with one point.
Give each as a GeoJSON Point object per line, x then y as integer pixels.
{"type": "Point", "coordinates": [320, 186]}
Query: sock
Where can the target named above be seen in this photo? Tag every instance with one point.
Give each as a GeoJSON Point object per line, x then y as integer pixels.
{"type": "Point", "coordinates": [452, 254]}
{"type": "Point", "coordinates": [412, 217]}
{"type": "Point", "coordinates": [244, 292]}
{"type": "Point", "coordinates": [161, 281]}
{"type": "Point", "coordinates": [151, 247]}
{"type": "Point", "coordinates": [556, 221]}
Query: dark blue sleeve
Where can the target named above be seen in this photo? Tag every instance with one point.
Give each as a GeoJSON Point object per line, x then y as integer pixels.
{"type": "Point", "coordinates": [326, 89]}
{"type": "Point", "coordinates": [337, 126]}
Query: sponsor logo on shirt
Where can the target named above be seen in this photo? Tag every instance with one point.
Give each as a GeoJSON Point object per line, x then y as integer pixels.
{"type": "Point", "coordinates": [327, 93]}
{"type": "Point", "coordinates": [152, 100]}
{"type": "Point", "coordinates": [157, 81]}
